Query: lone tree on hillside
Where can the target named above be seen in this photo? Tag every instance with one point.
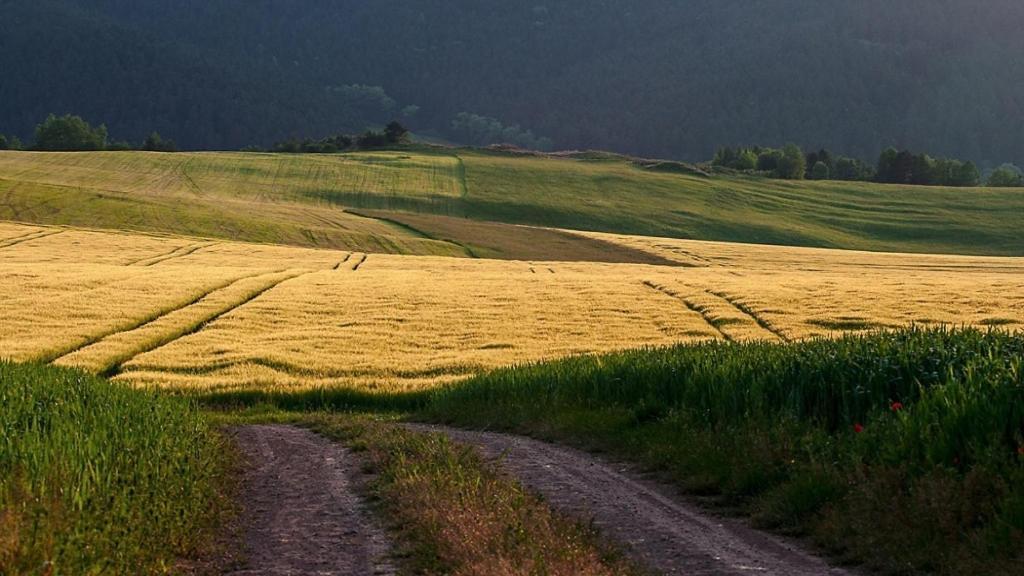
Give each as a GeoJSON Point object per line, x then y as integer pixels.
{"type": "Point", "coordinates": [68, 134]}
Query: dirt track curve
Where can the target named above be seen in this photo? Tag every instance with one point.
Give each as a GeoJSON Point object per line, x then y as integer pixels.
{"type": "Point", "coordinates": [655, 528]}
{"type": "Point", "coordinates": [302, 515]}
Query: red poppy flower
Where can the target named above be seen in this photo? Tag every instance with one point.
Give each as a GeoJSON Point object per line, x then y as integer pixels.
{"type": "Point", "coordinates": [1020, 449]}
{"type": "Point", "coordinates": [896, 406]}
{"type": "Point", "coordinates": [858, 428]}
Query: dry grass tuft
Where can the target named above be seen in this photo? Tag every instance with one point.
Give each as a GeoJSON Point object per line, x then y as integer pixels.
{"type": "Point", "coordinates": [465, 518]}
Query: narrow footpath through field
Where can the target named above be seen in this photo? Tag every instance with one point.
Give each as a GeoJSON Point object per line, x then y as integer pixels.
{"type": "Point", "coordinates": [302, 514]}
{"type": "Point", "coordinates": [651, 524]}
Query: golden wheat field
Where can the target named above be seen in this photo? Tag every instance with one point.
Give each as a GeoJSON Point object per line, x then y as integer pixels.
{"type": "Point", "coordinates": [212, 315]}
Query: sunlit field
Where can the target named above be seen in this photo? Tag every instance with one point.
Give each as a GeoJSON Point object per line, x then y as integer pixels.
{"type": "Point", "coordinates": [307, 200]}
{"type": "Point", "coordinates": [251, 197]}
{"type": "Point", "coordinates": [209, 316]}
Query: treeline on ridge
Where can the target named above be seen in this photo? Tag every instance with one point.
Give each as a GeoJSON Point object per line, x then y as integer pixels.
{"type": "Point", "coordinates": [71, 133]}
{"type": "Point", "coordinates": [393, 133]}
{"type": "Point", "coordinates": [893, 167]}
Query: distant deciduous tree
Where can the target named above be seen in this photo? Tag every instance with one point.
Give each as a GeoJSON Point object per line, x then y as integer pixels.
{"type": "Point", "coordinates": [69, 133]}
{"type": "Point", "coordinates": [155, 143]}
{"type": "Point", "coordinates": [793, 164]}
{"type": "Point", "coordinates": [747, 160]}
{"type": "Point", "coordinates": [851, 169]}
{"type": "Point", "coordinates": [396, 133]}
{"type": "Point", "coordinates": [4, 145]}
{"type": "Point", "coordinates": [120, 146]}
{"type": "Point", "coordinates": [823, 156]}
{"type": "Point", "coordinates": [768, 160]}
{"type": "Point", "coordinates": [820, 171]}
{"type": "Point", "coordinates": [967, 175]}
{"type": "Point", "coordinates": [744, 159]}
{"type": "Point", "coordinates": [1006, 176]}
{"type": "Point", "coordinates": [372, 139]}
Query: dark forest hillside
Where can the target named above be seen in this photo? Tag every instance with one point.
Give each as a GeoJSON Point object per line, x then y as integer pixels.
{"type": "Point", "coordinates": [673, 78]}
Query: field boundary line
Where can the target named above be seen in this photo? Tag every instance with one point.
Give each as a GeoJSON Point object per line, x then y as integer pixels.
{"type": "Point", "coordinates": [469, 251]}
{"type": "Point", "coordinates": [199, 326]}
{"type": "Point", "coordinates": [699, 310]}
{"type": "Point", "coordinates": [755, 316]}
{"type": "Point", "coordinates": [29, 237]}
{"type": "Point", "coordinates": [460, 173]}
{"type": "Point", "coordinates": [293, 370]}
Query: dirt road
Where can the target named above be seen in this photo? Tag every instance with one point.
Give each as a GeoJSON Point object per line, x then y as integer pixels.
{"type": "Point", "coordinates": [655, 527]}
{"type": "Point", "coordinates": [301, 512]}
{"type": "Point", "coordinates": [303, 516]}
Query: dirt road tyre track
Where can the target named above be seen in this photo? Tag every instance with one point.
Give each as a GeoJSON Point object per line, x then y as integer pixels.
{"type": "Point", "coordinates": [654, 526]}
{"type": "Point", "coordinates": [301, 514]}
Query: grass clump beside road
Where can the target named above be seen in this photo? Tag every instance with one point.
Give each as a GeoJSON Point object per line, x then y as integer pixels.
{"type": "Point", "coordinates": [902, 450]}
{"type": "Point", "coordinates": [459, 516]}
{"type": "Point", "coordinates": [97, 478]}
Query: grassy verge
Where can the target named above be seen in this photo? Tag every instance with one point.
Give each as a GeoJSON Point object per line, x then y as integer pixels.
{"type": "Point", "coordinates": [903, 450]}
{"type": "Point", "coordinates": [459, 516]}
{"type": "Point", "coordinates": [97, 478]}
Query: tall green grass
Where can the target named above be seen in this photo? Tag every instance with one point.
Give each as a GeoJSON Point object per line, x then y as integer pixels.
{"type": "Point", "coordinates": [96, 478]}
{"type": "Point", "coordinates": [904, 450]}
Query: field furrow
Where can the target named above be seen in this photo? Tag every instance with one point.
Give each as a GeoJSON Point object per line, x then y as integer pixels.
{"type": "Point", "coordinates": [754, 315]}
{"type": "Point", "coordinates": [29, 238]}
{"type": "Point", "coordinates": [10, 232]}
{"type": "Point", "coordinates": [359, 262]}
{"type": "Point", "coordinates": [179, 253]}
{"type": "Point", "coordinates": [343, 261]}
{"type": "Point", "coordinates": [108, 354]}
{"type": "Point", "coordinates": [705, 313]}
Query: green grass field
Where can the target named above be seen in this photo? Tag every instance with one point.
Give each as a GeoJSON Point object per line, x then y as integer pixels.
{"type": "Point", "coordinates": [299, 199]}
{"type": "Point", "coordinates": [96, 478]}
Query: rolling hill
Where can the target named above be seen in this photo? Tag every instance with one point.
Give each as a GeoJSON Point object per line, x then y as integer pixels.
{"type": "Point", "coordinates": [460, 202]}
